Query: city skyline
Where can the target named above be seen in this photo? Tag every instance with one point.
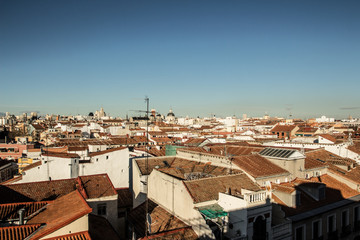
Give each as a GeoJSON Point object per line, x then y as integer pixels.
{"type": "Point", "coordinates": [198, 58]}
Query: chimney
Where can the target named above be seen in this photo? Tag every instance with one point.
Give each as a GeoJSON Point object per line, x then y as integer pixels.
{"type": "Point", "coordinates": [21, 216]}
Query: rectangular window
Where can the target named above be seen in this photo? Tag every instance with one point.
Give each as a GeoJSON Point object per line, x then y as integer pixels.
{"type": "Point", "coordinates": [101, 209]}
{"type": "Point", "coordinates": [344, 218]}
{"type": "Point", "coordinates": [356, 214]}
{"type": "Point", "coordinates": [299, 233]}
{"type": "Point", "coordinates": [331, 224]}
{"type": "Point", "coordinates": [316, 229]}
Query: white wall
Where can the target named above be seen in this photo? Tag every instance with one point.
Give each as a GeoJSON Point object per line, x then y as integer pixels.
{"type": "Point", "coordinates": [52, 167]}
{"type": "Point", "coordinates": [79, 225]}
{"type": "Point", "coordinates": [115, 164]}
{"type": "Point", "coordinates": [172, 195]}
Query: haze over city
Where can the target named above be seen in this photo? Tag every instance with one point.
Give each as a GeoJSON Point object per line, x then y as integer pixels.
{"type": "Point", "coordinates": [196, 57]}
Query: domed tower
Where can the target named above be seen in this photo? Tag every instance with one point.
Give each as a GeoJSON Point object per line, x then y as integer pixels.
{"type": "Point", "coordinates": [170, 118]}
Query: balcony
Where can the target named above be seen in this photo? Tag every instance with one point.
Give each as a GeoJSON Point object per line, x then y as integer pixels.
{"type": "Point", "coordinates": [257, 197]}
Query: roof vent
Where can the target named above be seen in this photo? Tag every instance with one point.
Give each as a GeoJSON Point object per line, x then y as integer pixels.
{"type": "Point", "coordinates": [21, 216]}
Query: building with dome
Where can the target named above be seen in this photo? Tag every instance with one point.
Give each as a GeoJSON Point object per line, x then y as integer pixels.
{"type": "Point", "coordinates": [170, 118]}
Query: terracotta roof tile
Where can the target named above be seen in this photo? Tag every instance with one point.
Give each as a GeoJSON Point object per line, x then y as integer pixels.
{"type": "Point", "coordinates": [335, 191]}
{"type": "Point", "coordinates": [207, 189]}
{"type": "Point", "coordinates": [328, 137]}
{"type": "Point", "coordinates": [181, 168]}
{"type": "Point", "coordinates": [95, 186]}
{"type": "Point", "coordinates": [283, 128]}
{"type": "Point", "coordinates": [55, 217]}
{"type": "Point", "coordinates": [322, 158]}
{"type": "Point", "coordinates": [124, 197]}
{"type": "Point", "coordinates": [74, 236]}
{"type": "Point", "coordinates": [258, 166]}
{"type": "Point", "coordinates": [163, 223]}
{"type": "Point", "coordinates": [33, 165]}
{"type": "Point", "coordinates": [93, 154]}
{"type": "Point", "coordinates": [353, 174]}
{"type": "Point", "coordinates": [18, 232]}
{"type": "Point", "coordinates": [10, 211]}
{"type": "Point", "coordinates": [60, 155]}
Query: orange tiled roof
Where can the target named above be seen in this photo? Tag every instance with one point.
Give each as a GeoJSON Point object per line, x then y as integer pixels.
{"type": "Point", "coordinates": [10, 211]}
{"type": "Point", "coordinates": [74, 236]}
{"type": "Point", "coordinates": [283, 128]}
{"type": "Point", "coordinates": [180, 168]}
{"type": "Point", "coordinates": [322, 158]}
{"type": "Point", "coordinates": [328, 137]}
{"type": "Point", "coordinates": [353, 174]}
{"type": "Point", "coordinates": [163, 223]}
{"type": "Point", "coordinates": [60, 155]}
{"type": "Point", "coordinates": [258, 166]}
{"type": "Point", "coordinates": [195, 141]}
{"type": "Point", "coordinates": [93, 154]}
{"type": "Point", "coordinates": [335, 191]}
{"type": "Point", "coordinates": [18, 232]}
{"type": "Point", "coordinates": [33, 165]}
{"type": "Point", "coordinates": [95, 186]}
{"type": "Point", "coordinates": [207, 189]}
{"type": "Point", "coordinates": [55, 217]}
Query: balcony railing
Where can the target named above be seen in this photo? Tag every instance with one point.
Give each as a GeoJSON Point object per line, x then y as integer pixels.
{"type": "Point", "coordinates": [255, 197]}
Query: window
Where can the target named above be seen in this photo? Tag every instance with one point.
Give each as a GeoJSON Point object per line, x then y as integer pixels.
{"type": "Point", "coordinates": [331, 224]}
{"type": "Point", "coordinates": [107, 157]}
{"type": "Point", "coordinates": [101, 209]}
{"type": "Point", "coordinates": [345, 218]}
{"type": "Point", "coordinates": [316, 229]}
{"type": "Point", "coordinates": [356, 214]}
{"type": "Point", "coordinates": [300, 233]}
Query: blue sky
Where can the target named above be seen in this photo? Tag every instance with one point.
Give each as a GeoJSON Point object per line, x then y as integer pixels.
{"type": "Point", "coordinates": [198, 57]}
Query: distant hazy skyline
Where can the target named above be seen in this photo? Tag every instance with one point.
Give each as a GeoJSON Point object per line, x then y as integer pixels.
{"type": "Point", "coordinates": [196, 57]}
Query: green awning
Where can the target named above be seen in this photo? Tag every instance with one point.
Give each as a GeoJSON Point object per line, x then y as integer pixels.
{"type": "Point", "coordinates": [212, 211]}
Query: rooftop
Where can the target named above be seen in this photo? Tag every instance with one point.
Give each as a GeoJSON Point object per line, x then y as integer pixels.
{"type": "Point", "coordinates": [164, 225]}
{"type": "Point", "coordinates": [258, 166]}
{"type": "Point", "coordinates": [207, 189]}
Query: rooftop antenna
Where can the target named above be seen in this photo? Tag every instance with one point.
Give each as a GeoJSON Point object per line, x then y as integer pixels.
{"type": "Point", "coordinates": [147, 224]}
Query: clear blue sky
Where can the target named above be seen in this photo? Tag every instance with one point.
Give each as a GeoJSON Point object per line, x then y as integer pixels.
{"type": "Point", "coordinates": [198, 57]}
